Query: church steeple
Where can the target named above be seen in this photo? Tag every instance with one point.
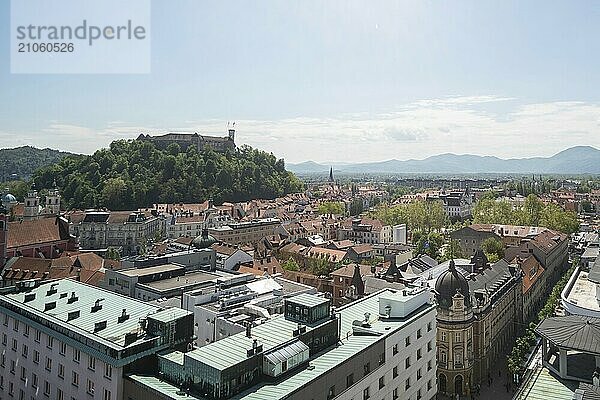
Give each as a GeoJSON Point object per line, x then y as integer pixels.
{"type": "Point", "coordinates": [331, 174]}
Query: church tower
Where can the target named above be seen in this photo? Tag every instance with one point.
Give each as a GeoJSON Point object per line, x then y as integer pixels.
{"type": "Point", "coordinates": [3, 234]}
{"type": "Point", "coordinates": [32, 205]}
{"type": "Point", "coordinates": [53, 201]}
{"type": "Point", "coordinates": [331, 174]}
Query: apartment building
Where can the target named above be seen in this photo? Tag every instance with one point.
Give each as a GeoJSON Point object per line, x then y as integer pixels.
{"type": "Point", "coordinates": [246, 232]}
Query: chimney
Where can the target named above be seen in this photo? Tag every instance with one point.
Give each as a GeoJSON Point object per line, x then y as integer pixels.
{"type": "Point", "coordinates": [123, 317]}
{"type": "Point", "coordinates": [249, 330]}
{"type": "Point", "coordinates": [373, 269]}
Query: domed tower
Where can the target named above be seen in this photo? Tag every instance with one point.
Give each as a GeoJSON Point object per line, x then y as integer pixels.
{"type": "Point", "coordinates": [31, 210]}
{"type": "Point", "coordinates": [455, 332]}
{"type": "Point", "coordinates": [53, 201]}
{"type": "Point", "coordinates": [8, 201]}
{"type": "Point", "coordinates": [204, 241]}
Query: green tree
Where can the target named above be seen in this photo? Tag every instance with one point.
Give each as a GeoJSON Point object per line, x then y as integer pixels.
{"type": "Point", "coordinates": [452, 250]}
{"type": "Point", "coordinates": [290, 265]}
{"type": "Point", "coordinates": [331, 207]}
{"type": "Point", "coordinates": [112, 254]}
{"type": "Point", "coordinates": [493, 249]}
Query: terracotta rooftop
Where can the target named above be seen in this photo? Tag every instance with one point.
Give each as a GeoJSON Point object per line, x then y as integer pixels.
{"type": "Point", "coordinates": [28, 233]}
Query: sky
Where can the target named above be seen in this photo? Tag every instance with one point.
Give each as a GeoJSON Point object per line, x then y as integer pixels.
{"type": "Point", "coordinates": [334, 81]}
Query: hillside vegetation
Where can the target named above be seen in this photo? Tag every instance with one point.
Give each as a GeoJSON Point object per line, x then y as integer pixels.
{"type": "Point", "coordinates": [21, 162]}
{"type": "Point", "coordinates": [132, 174]}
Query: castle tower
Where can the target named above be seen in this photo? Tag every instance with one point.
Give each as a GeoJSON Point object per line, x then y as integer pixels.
{"type": "Point", "coordinates": [232, 135]}
{"type": "Point", "coordinates": [32, 205]}
{"type": "Point", "coordinates": [3, 234]}
{"type": "Point", "coordinates": [53, 201]}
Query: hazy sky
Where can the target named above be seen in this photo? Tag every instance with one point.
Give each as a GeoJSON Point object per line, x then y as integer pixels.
{"type": "Point", "coordinates": [335, 80]}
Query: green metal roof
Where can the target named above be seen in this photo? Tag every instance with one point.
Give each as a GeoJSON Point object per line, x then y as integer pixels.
{"type": "Point", "coordinates": [230, 351]}
{"type": "Point", "coordinates": [542, 385]}
{"type": "Point", "coordinates": [309, 300]}
{"type": "Point", "coordinates": [338, 355]}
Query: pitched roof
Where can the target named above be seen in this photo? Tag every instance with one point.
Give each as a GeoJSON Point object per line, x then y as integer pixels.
{"type": "Point", "coordinates": [33, 232]}
{"type": "Point", "coordinates": [575, 332]}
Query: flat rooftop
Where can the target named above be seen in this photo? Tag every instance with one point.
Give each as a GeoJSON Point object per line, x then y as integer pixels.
{"type": "Point", "coordinates": [151, 270]}
{"type": "Point", "coordinates": [183, 281]}
{"type": "Point", "coordinates": [583, 293]}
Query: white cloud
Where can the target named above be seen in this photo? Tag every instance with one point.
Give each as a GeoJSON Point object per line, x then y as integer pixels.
{"type": "Point", "coordinates": [451, 124]}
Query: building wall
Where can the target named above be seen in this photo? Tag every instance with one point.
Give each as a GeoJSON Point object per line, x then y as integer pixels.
{"type": "Point", "coordinates": [470, 240]}
{"type": "Point", "coordinates": [31, 356]}
{"type": "Point", "coordinates": [393, 387]}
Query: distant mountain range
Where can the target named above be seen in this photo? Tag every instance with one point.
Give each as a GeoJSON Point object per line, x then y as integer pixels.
{"type": "Point", "coordinates": [575, 160]}
{"type": "Point", "coordinates": [20, 162]}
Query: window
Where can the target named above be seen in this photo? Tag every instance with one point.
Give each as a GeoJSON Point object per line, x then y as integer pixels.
{"type": "Point", "coordinates": [24, 350]}
{"type": "Point", "coordinates": [36, 356]}
{"type": "Point", "coordinates": [4, 339]}
{"type": "Point", "coordinates": [407, 363]}
{"type": "Point", "coordinates": [429, 327]}
{"type": "Point", "coordinates": [2, 360]}
{"type": "Point", "coordinates": [419, 374]}
{"type": "Point", "coordinates": [38, 336]}
{"type": "Point", "coordinates": [107, 371]}
{"type": "Point", "coordinates": [92, 363]}
{"type": "Point", "coordinates": [34, 380]}
{"type": "Point", "coordinates": [349, 380]}
{"type": "Point", "coordinates": [395, 349]}
{"type": "Point", "coordinates": [407, 341]}
{"type": "Point", "coordinates": [443, 335]}
{"type": "Point", "coordinates": [62, 349]}
{"type": "Point", "coordinates": [16, 325]}
{"type": "Point", "coordinates": [419, 354]}
{"type": "Point", "coordinates": [75, 379]}
{"type": "Point", "coordinates": [49, 342]}
{"type": "Point", "coordinates": [419, 394]}
{"type": "Point", "coordinates": [429, 385]}
{"type": "Point", "coordinates": [5, 320]}
{"type": "Point", "coordinates": [46, 388]}
{"type": "Point", "coordinates": [331, 393]}
{"type": "Point", "coordinates": [23, 374]}
{"type": "Point", "coordinates": [48, 364]}
{"type": "Point", "coordinates": [443, 357]}
{"type": "Point", "coordinates": [367, 368]}
{"type": "Point", "coordinates": [12, 366]}
{"type": "Point", "coordinates": [407, 384]}
{"type": "Point", "coordinates": [61, 371]}
{"type": "Point", "coordinates": [381, 382]}
{"type": "Point", "coordinates": [429, 365]}
{"type": "Point", "coordinates": [419, 334]}
{"type": "Point", "coordinates": [107, 394]}
{"type": "Point", "coordinates": [90, 386]}
{"type": "Point", "coordinates": [382, 358]}
{"type": "Point", "coordinates": [395, 394]}
{"type": "Point", "coordinates": [395, 372]}
{"type": "Point", "coordinates": [59, 394]}
{"type": "Point", "coordinates": [366, 394]}
{"type": "Point", "coordinates": [429, 346]}
{"type": "Point", "coordinates": [15, 345]}
{"type": "Point", "coordinates": [76, 355]}
{"type": "Point", "coordinates": [457, 337]}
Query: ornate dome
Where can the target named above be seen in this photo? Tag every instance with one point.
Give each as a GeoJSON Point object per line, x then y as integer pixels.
{"type": "Point", "coordinates": [448, 284]}
{"type": "Point", "coordinates": [8, 198]}
{"type": "Point", "coordinates": [204, 241]}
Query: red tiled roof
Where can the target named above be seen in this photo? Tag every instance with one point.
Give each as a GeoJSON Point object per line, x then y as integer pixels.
{"type": "Point", "coordinates": [27, 233]}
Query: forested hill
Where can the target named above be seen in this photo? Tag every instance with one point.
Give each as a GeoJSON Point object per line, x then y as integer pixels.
{"type": "Point", "coordinates": [21, 162]}
{"type": "Point", "coordinates": [133, 174]}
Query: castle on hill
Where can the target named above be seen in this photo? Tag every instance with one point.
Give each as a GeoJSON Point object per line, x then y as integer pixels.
{"type": "Point", "coordinates": [201, 142]}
